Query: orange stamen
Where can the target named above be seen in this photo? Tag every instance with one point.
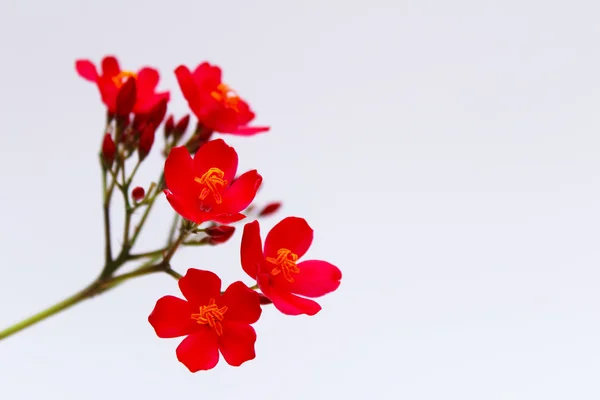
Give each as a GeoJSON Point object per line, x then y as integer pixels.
{"type": "Point", "coordinates": [119, 80]}
{"type": "Point", "coordinates": [212, 178]}
{"type": "Point", "coordinates": [211, 315]}
{"type": "Point", "coordinates": [227, 96]}
{"type": "Point", "coordinates": [285, 263]}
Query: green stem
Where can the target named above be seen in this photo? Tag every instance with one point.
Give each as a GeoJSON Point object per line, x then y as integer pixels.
{"type": "Point", "coordinates": [147, 254]}
{"type": "Point", "coordinates": [174, 274]}
{"type": "Point", "coordinates": [50, 311]}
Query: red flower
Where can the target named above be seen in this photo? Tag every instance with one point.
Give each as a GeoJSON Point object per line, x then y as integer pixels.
{"type": "Point", "coordinates": [215, 105]}
{"type": "Point", "coordinates": [211, 321]}
{"type": "Point", "coordinates": [113, 78]}
{"type": "Point", "coordinates": [202, 188]}
{"type": "Point", "coordinates": [279, 275]}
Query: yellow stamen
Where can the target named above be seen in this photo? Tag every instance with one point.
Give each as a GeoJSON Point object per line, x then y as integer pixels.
{"type": "Point", "coordinates": [285, 263]}
{"type": "Point", "coordinates": [227, 96]}
{"type": "Point", "coordinates": [119, 80]}
{"type": "Point", "coordinates": [212, 315]}
{"type": "Point", "coordinates": [212, 178]}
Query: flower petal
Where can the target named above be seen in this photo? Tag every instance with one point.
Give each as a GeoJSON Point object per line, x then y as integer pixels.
{"type": "Point", "coordinates": [291, 233]}
{"type": "Point", "coordinates": [216, 154]}
{"type": "Point", "coordinates": [251, 254]}
{"type": "Point", "coordinates": [225, 218]}
{"type": "Point", "coordinates": [186, 207]}
{"type": "Point", "coordinates": [179, 172]}
{"type": "Point", "coordinates": [237, 343]}
{"type": "Point", "coordinates": [87, 70]}
{"type": "Point", "coordinates": [242, 302]}
{"type": "Point", "coordinates": [147, 80]}
{"type": "Point", "coordinates": [242, 192]}
{"type": "Point", "coordinates": [186, 83]}
{"type": "Point", "coordinates": [249, 130]}
{"type": "Point", "coordinates": [200, 350]}
{"type": "Point", "coordinates": [286, 302]}
{"type": "Point", "coordinates": [200, 286]}
{"type": "Point", "coordinates": [316, 278]}
{"type": "Point", "coordinates": [110, 66]}
{"type": "Point", "coordinates": [171, 317]}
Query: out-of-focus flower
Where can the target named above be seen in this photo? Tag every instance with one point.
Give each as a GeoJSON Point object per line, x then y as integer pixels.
{"type": "Point", "coordinates": [112, 79]}
{"type": "Point", "coordinates": [269, 209]}
{"type": "Point", "coordinates": [216, 105]}
{"type": "Point", "coordinates": [201, 188]}
{"type": "Point", "coordinates": [280, 275]}
{"type": "Point", "coordinates": [212, 322]}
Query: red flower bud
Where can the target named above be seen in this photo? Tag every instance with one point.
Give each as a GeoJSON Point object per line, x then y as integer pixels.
{"type": "Point", "coordinates": [126, 98]}
{"type": "Point", "coordinates": [181, 127]}
{"type": "Point", "coordinates": [108, 150]}
{"type": "Point", "coordinates": [146, 141]}
{"type": "Point", "coordinates": [157, 114]}
{"type": "Point", "coordinates": [269, 209]}
{"type": "Point", "coordinates": [138, 193]}
{"type": "Point", "coordinates": [169, 125]}
{"type": "Point", "coordinates": [219, 234]}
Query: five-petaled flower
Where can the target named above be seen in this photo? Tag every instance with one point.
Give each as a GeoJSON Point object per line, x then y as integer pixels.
{"type": "Point", "coordinates": [280, 275]}
{"type": "Point", "coordinates": [202, 188]}
{"type": "Point", "coordinates": [211, 321]}
{"type": "Point", "coordinates": [112, 78]}
{"type": "Point", "coordinates": [216, 105]}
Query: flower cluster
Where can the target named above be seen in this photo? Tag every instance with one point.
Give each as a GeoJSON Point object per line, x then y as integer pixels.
{"type": "Point", "coordinates": [201, 183]}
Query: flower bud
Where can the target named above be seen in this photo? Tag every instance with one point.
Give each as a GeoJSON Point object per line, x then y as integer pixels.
{"type": "Point", "coordinates": [126, 98]}
{"type": "Point", "coordinates": [146, 141]}
{"type": "Point", "coordinates": [169, 125]}
{"type": "Point", "coordinates": [219, 234]}
{"type": "Point", "coordinates": [138, 193]}
{"type": "Point", "coordinates": [269, 209]}
{"type": "Point", "coordinates": [181, 127]}
{"type": "Point", "coordinates": [108, 150]}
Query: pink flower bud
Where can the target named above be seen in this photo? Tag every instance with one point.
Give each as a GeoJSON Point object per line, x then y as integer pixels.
{"type": "Point", "coordinates": [169, 125]}
{"type": "Point", "coordinates": [181, 127]}
{"type": "Point", "coordinates": [146, 141]}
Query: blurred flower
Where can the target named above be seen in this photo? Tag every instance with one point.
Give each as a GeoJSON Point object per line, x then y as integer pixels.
{"type": "Point", "coordinates": [108, 150]}
{"type": "Point", "coordinates": [112, 79]}
{"type": "Point", "coordinates": [138, 193]}
{"type": "Point", "coordinates": [217, 107]}
{"type": "Point", "coordinates": [212, 322]}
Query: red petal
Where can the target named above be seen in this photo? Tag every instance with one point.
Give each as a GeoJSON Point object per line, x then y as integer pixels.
{"type": "Point", "coordinates": [110, 66]}
{"type": "Point", "coordinates": [237, 343]}
{"type": "Point", "coordinates": [249, 130]}
{"type": "Point", "coordinates": [251, 253]}
{"type": "Point", "coordinates": [208, 76]}
{"type": "Point", "coordinates": [239, 195]}
{"type": "Point", "coordinates": [286, 302]}
{"type": "Point", "coordinates": [216, 154]}
{"type": "Point", "coordinates": [291, 233]}
{"type": "Point", "coordinates": [186, 83]}
{"type": "Point", "coordinates": [316, 278]}
{"type": "Point", "coordinates": [223, 218]}
{"type": "Point", "coordinates": [242, 302]}
{"type": "Point", "coordinates": [147, 80]}
{"type": "Point", "coordinates": [199, 286]}
{"type": "Point", "coordinates": [171, 317]}
{"type": "Point", "coordinates": [86, 70]}
{"type": "Point", "coordinates": [186, 208]}
{"type": "Point", "coordinates": [200, 350]}
{"type": "Point", "coordinates": [179, 172]}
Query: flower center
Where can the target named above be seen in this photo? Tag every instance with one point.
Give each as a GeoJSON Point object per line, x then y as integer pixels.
{"type": "Point", "coordinates": [226, 96]}
{"type": "Point", "coordinates": [212, 315]}
{"type": "Point", "coordinates": [119, 80]}
{"type": "Point", "coordinates": [285, 263]}
{"type": "Point", "coordinates": [212, 178]}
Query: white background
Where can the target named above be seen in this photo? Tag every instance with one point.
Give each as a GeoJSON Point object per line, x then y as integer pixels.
{"type": "Point", "coordinates": [446, 154]}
